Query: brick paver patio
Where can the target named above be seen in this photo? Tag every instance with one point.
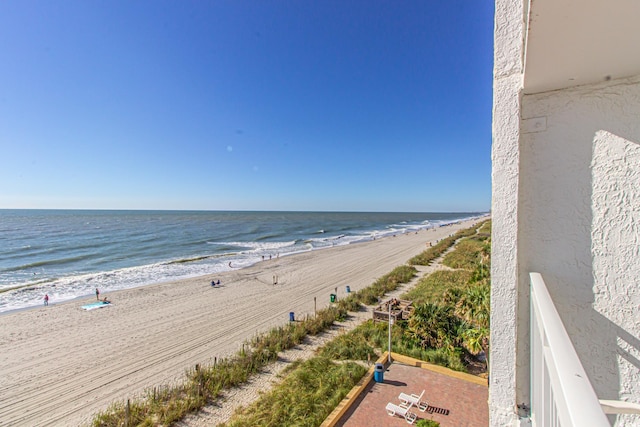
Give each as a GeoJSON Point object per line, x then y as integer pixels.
{"type": "Point", "coordinates": [453, 402]}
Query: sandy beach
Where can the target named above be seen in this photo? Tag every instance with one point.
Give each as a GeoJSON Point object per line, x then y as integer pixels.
{"type": "Point", "coordinates": [59, 365]}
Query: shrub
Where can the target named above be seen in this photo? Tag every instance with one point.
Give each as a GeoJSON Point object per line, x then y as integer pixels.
{"type": "Point", "coordinates": [348, 347]}
{"type": "Point", "coordinates": [427, 423]}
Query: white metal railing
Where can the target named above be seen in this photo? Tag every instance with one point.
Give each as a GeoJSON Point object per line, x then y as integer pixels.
{"type": "Point", "coordinates": [561, 393]}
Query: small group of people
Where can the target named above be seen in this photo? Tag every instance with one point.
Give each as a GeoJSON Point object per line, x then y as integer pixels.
{"type": "Point", "coordinates": [103, 300]}
{"type": "Point", "coordinates": [214, 283]}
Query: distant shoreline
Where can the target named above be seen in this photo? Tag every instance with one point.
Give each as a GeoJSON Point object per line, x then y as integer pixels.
{"type": "Point", "coordinates": [66, 255]}
{"type": "Point", "coordinates": [63, 364]}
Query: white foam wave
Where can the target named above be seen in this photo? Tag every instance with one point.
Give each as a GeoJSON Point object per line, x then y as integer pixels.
{"type": "Point", "coordinates": [260, 245]}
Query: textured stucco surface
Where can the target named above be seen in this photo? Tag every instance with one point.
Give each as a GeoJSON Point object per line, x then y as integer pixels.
{"type": "Point", "coordinates": [508, 42]}
{"type": "Point", "coordinates": [579, 209]}
{"type": "Point", "coordinates": [616, 257]}
{"type": "Point", "coordinates": [566, 203]}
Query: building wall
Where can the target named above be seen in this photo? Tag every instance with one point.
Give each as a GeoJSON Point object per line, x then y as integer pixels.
{"type": "Point", "coordinates": [566, 204]}
{"type": "Point", "coordinates": [508, 68]}
{"type": "Point", "coordinates": [579, 223]}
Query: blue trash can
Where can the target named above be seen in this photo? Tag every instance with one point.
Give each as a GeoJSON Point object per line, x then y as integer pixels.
{"type": "Point", "coordinates": [378, 373]}
{"type": "Point", "coordinates": [292, 317]}
{"type": "Point", "coordinates": [348, 289]}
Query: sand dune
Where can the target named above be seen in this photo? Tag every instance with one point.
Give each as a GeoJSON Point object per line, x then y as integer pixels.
{"type": "Point", "coordinates": [60, 364]}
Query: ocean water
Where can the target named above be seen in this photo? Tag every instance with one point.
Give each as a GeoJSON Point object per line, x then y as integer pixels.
{"type": "Point", "coordinates": [68, 253]}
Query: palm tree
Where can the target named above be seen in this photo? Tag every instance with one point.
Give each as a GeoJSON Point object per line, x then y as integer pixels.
{"type": "Point", "coordinates": [474, 307]}
{"type": "Point", "coordinates": [433, 325]}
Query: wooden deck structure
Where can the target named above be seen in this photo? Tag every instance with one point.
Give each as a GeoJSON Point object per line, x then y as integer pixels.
{"type": "Point", "coordinates": [400, 309]}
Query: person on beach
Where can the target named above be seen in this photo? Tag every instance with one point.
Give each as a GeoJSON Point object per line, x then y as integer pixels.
{"type": "Point", "coordinates": [106, 301]}
{"type": "Point", "coordinates": [97, 294]}
{"type": "Point", "coordinates": [46, 299]}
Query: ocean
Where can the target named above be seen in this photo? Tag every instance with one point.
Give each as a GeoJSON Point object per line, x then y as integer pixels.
{"type": "Point", "coordinates": [67, 254]}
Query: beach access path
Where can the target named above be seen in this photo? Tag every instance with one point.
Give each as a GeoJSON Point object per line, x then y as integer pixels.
{"type": "Point", "coordinates": [249, 392]}
{"type": "Point", "coordinates": [60, 365]}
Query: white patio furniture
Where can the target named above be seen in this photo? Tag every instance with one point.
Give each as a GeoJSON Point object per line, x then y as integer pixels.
{"type": "Point", "coordinates": [393, 410]}
{"type": "Point", "coordinates": [413, 399]}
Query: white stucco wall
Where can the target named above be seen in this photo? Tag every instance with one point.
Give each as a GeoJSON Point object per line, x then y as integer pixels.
{"type": "Point", "coordinates": [615, 246]}
{"type": "Point", "coordinates": [579, 223]}
{"type": "Point", "coordinates": [507, 85]}
{"type": "Point", "coordinates": [566, 203]}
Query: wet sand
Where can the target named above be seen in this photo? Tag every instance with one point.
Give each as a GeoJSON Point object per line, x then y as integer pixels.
{"type": "Point", "coordinates": [59, 365]}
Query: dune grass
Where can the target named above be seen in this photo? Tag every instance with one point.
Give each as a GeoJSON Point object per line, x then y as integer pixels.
{"type": "Point", "coordinates": [369, 339]}
{"type": "Point", "coordinates": [434, 252]}
{"type": "Point", "coordinates": [307, 395]}
{"type": "Point", "coordinates": [318, 384]}
{"type": "Point", "coordinates": [387, 283]}
{"type": "Point", "coordinates": [430, 289]}
{"type": "Point", "coordinates": [203, 385]}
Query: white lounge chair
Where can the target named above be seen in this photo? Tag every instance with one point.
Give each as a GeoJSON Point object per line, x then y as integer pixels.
{"type": "Point", "coordinates": [393, 410]}
{"type": "Point", "coordinates": [407, 400]}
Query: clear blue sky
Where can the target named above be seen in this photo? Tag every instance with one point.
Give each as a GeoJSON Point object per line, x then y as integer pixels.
{"type": "Point", "coordinates": [262, 105]}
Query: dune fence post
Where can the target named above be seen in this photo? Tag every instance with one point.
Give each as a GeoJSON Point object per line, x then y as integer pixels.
{"type": "Point", "coordinates": [315, 307]}
{"type": "Point", "coordinates": [127, 413]}
{"type": "Point", "coordinates": [199, 377]}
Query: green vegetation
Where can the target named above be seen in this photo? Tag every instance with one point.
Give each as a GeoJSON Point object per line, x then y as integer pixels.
{"type": "Point", "coordinates": [427, 423]}
{"type": "Point", "coordinates": [387, 283]}
{"type": "Point", "coordinates": [204, 384]}
{"type": "Point", "coordinates": [450, 321]}
{"type": "Point", "coordinates": [306, 396]}
{"type": "Point", "coordinates": [452, 307]}
{"type": "Point", "coordinates": [369, 339]}
{"type": "Point", "coordinates": [428, 256]}
{"type": "Point", "coordinates": [434, 287]}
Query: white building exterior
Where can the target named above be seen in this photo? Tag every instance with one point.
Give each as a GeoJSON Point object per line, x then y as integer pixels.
{"type": "Point", "coordinates": [566, 194]}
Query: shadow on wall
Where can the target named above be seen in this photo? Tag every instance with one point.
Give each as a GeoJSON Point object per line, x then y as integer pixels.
{"type": "Point", "coordinates": [578, 227]}
{"type": "Point", "coordinates": [615, 239]}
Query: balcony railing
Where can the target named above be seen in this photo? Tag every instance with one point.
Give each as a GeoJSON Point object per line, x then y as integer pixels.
{"type": "Point", "coordinates": [561, 393]}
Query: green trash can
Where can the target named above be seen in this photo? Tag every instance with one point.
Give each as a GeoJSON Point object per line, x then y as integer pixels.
{"type": "Point", "coordinates": [333, 297]}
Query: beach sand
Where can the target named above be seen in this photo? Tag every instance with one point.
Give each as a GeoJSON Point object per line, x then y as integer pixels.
{"type": "Point", "coordinates": [60, 365]}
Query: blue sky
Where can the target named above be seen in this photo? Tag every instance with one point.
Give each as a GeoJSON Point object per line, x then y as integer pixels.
{"type": "Point", "coordinates": [234, 105]}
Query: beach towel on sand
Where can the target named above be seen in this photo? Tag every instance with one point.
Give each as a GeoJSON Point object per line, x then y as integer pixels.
{"type": "Point", "coordinates": [96, 305]}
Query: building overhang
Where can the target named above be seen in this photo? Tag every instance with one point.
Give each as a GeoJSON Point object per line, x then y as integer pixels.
{"type": "Point", "coordinates": [576, 42]}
